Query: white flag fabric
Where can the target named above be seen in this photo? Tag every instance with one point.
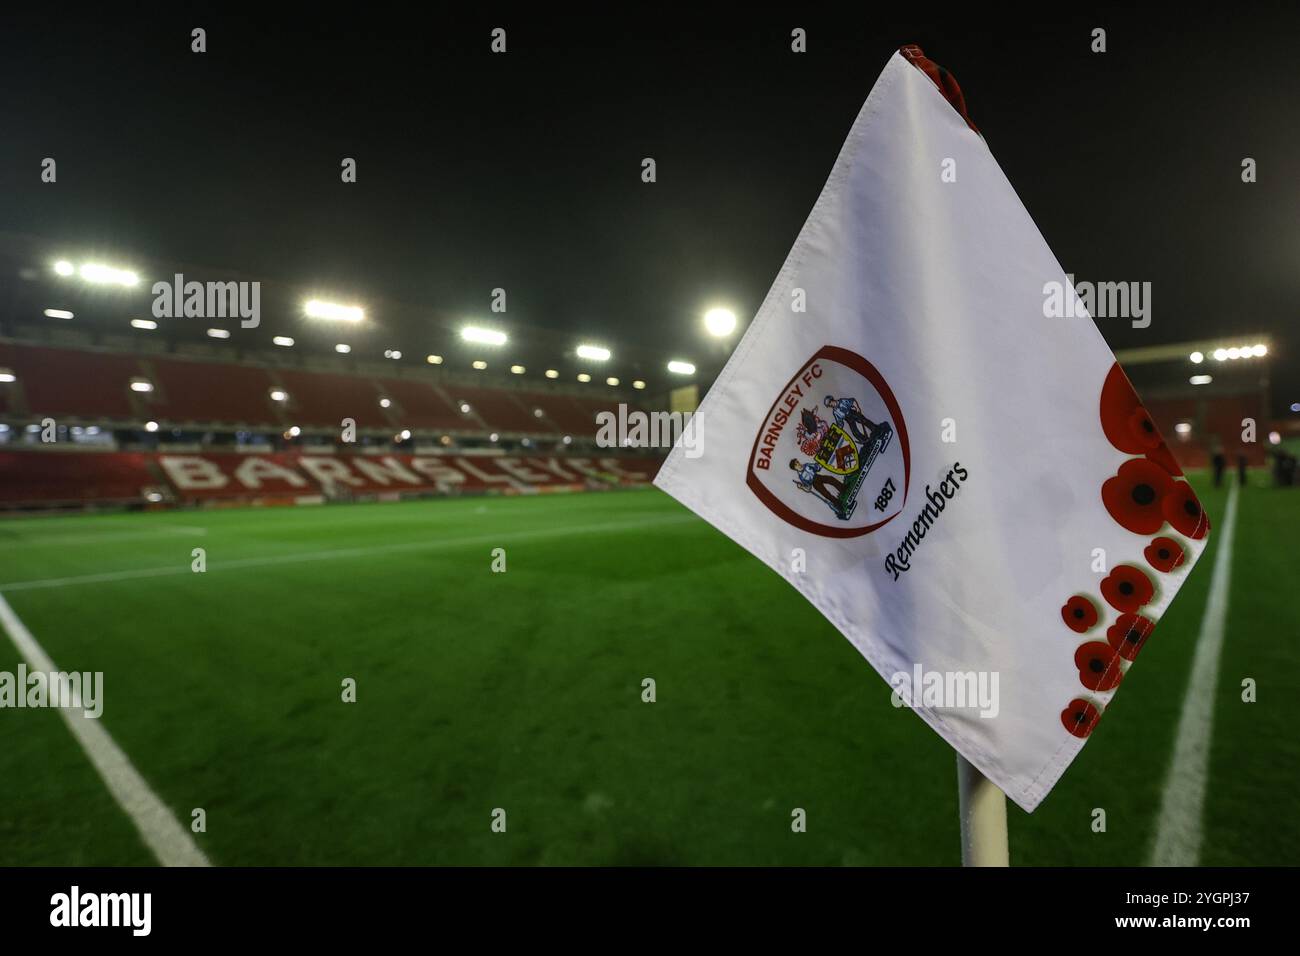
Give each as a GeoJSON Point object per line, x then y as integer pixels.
{"type": "Point", "coordinates": [971, 492]}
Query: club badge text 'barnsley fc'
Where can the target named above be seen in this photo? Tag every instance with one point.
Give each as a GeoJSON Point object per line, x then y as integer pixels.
{"type": "Point", "coordinates": [831, 456]}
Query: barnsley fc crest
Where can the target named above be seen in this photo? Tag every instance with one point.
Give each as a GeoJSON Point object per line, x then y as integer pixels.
{"type": "Point", "coordinates": [831, 456]}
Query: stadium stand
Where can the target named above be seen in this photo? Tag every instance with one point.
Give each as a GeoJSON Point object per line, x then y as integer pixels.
{"type": "Point", "coordinates": [74, 478]}
{"type": "Point", "coordinates": [421, 406]}
{"type": "Point", "coordinates": [501, 410]}
{"type": "Point", "coordinates": [564, 411]}
{"type": "Point", "coordinates": [322, 398]}
{"type": "Point", "coordinates": [71, 382]}
{"type": "Point", "coordinates": [1216, 424]}
{"type": "Point", "coordinates": [210, 393]}
{"type": "Point", "coordinates": [79, 385]}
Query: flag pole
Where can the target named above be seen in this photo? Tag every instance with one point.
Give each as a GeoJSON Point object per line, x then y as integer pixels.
{"type": "Point", "coordinates": [983, 811]}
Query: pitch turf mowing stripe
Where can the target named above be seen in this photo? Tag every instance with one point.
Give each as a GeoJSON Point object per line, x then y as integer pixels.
{"type": "Point", "coordinates": [1182, 811]}
{"type": "Point", "coordinates": [159, 829]}
{"type": "Point", "coordinates": [437, 544]}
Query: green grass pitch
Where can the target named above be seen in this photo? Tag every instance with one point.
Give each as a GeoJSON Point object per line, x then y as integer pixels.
{"type": "Point", "coordinates": [522, 691]}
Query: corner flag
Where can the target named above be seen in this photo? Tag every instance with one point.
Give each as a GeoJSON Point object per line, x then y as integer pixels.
{"type": "Point", "coordinates": [968, 489]}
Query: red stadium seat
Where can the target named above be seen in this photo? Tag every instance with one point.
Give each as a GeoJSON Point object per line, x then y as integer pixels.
{"type": "Point", "coordinates": [420, 406]}
{"type": "Point", "coordinates": [322, 398]}
{"type": "Point", "coordinates": [502, 411]}
{"type": "Point", "coordinates": [211, 392]}
{"type": "Point", "coordinates": [87, 385]}
{"type": "Point", "coordinates": [62, 477]}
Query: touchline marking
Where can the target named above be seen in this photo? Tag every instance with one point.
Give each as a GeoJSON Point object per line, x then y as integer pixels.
{"type": "Point", "coordinates": [169, 841]}
{"type": "Point", "coordinates": [183, 567]}
{"type": "Point", "coordinates": [1182, 808]}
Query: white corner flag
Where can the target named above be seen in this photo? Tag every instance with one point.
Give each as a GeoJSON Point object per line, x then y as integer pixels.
{"type": "Point", "coordinates": [961, 480]}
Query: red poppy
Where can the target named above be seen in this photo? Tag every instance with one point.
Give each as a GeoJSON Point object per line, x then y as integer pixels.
{"type": "Point", "coordinates": [1098, 664]}
{"type": "Point", "coordinates": [1129, 633]}
{"type": "Point", "coordinates": [1164, 554]}
{"type": "Point", "coordinates": [1080, 717]}
{"type": "Point", "coordinates": [1126, 588]}
{"type": "Point", "coordinates": [1079, 614]}
{"type": "Point", "coordinates": [1163, 457]}
{"type": "Point", "coordinates": [1128, 426]}
{"type": "Point", "coordinates": [1134, 494]}
{"type": "Point", "coordinates": [1182, 510]}
{"type": "Point", "coordinates": [1119, 404]}
{"type": "Point", "coordinates": [1144, 430]}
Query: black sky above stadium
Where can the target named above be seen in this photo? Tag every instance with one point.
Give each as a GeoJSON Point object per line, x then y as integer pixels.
{"type": "Point", "coordinates": [523, 171]}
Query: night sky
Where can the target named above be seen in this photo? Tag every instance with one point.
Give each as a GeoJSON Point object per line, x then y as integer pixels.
{"type": "Point", "coordinates": [523, 170]}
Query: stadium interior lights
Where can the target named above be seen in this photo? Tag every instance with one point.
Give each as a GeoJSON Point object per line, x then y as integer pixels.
{"type": "Point", "coordinates": [394, 354]}
{"type": "Point", "coordinates": [464, 408]}
{"type": "Point", "coordinates": [147, 324]}
{"type": "Point", "coordinates": [1197, 358]}
{"type": "Point", "coordinates": [434, 359]}
{"type": "Point", "coordinates": [279, 395]}
{"type": "Point", "coordinates": [343, 348]}
{"type": "Point", "coordinates": [218, 333]}
{"type": "Point", "coordinates": [294, 431]}
{"type": "Point", "coordinates": [479, 364]}
{"type": "Point", "coordinates": [316, 309]}
{"type": "Point", "coordinates": [1201, 379]}
{"type": "Point", "coordinates": [552, 373]}
{"type": "Point", "coordinates": [638, 384]}
{"type": "Point", "coordinates": [7, 376]}
{"type": "Point", "coordinates": [720, 322]}
{"type": "Point", "coordinates": [1183, 428]}
{"type": "Point", "coordinates": [517, 370]}
{"type": "Point", "coordinates": [98, 273]}
{"type": "Point", "coordinates": [678, 367]}
{"type": "Point", "coordinates": [481, 336]}
{"type": "Point", "coordinates": [612, 380]}
{"type": "Point", "coordinates": [385, 402]}
{"type": "Point", "coordinates": [107, 275]}
{"type": "Point", "coordinates": [405, 434]}
{"type": "Point", "coordinates": [151, 426]}
{"type": "Point", "coordinates": [141, 385]}
{"type": "Point", "coordinates": [58, 314]}
{"type": "Point", "coordinates": [596, 353]}
{"type": "Point", "coordinates": [283, 341]}
{"type": "Point", "coordinates": [1257, 350]}
{"type": "Point", "coordinates": [584, 377]}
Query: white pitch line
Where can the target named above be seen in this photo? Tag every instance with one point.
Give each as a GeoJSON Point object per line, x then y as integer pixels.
{"type": "Point", "coordinates": [1182, 808]}
{"type": "Point", "coordinates": [433, 544]}
{"type": "Point", "coordinates": [161, 832]}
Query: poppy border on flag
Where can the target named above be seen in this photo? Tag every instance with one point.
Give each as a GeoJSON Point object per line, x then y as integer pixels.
{"type": "Point", "coordinates": [857, 363]}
